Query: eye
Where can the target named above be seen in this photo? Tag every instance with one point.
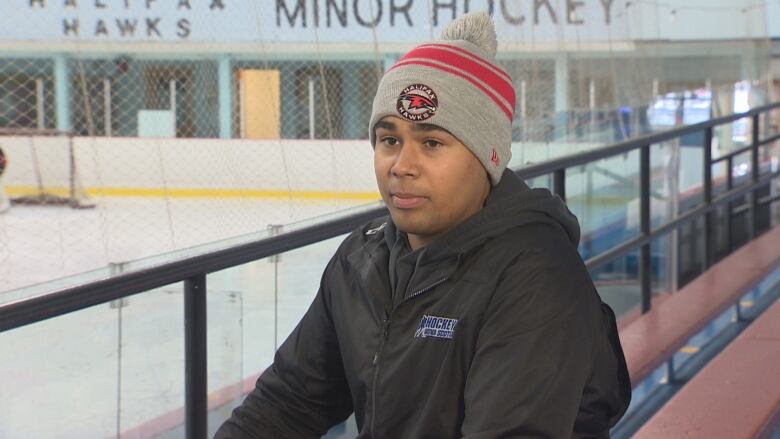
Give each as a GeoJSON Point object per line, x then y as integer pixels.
{"type": "Point", "coordinates": [389, 141]}
{"type": "Point", "coordinates": [432, 143]}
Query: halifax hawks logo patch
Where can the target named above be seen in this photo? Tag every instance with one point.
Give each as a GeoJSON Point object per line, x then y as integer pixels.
{"type": "Point", "coordinates": [417, 102]}
{"type": "Point", "coordinates": [438, 327]}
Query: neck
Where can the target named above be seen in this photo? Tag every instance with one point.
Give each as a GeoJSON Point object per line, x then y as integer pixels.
{"type": "Point", "coordinates": [418, 241]}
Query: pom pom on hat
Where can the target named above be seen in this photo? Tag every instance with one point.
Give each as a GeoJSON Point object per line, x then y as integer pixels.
{"type": "Point", "coordinates": [475, 27]}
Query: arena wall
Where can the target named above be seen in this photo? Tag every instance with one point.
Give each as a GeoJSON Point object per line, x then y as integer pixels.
{"type": "Point", "coordinates": [113, 166]}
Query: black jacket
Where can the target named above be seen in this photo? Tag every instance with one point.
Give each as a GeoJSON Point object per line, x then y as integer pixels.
{"type": "Point", "coordinates": [495, 330]}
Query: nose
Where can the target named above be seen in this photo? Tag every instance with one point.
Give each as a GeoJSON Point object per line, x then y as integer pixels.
{"type": "Point", "coordinates": [406, 162]}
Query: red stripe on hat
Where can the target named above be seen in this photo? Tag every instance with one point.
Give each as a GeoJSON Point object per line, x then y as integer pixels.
{"type": "Point", "coordinates": [493, 94]}
{"type": "Point", "coordinates": [498, 83]}
{"type": "Point", "coordinates": [471, 55]}
{"type": "Point", "coordinates": [490, 93]}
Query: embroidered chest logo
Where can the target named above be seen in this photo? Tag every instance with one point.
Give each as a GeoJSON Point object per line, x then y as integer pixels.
{"type": "Point", "coordinates": [417, 102]}
{"type": "Point", "coordinates": [438, 327]}
{"type": "Point", "coordinates": [376, 230]}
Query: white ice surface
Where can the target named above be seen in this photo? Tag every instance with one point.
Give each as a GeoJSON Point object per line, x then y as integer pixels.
{"type": "Point", "coordinates": [107, 369]}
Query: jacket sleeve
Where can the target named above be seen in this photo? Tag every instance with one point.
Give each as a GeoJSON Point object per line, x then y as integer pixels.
{"type": "Point", "coordinates": [544, 366]}
{"type": "Point", "coordinates": [304, 392]}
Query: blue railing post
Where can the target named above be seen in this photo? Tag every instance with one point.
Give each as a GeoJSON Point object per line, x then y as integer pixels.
{"type": "Point", "coordinates": [729, 187]}
{"type": "Point", "coordinates": [644, 226]}
{"type": "Point", "coordinates": [706, 241]}
{"type": "Point", "coordinates": [754, 173]}
{"type": "Point", "coordinates": [195, 377]}
{"type": "Point", "coordinates": [559, 183]}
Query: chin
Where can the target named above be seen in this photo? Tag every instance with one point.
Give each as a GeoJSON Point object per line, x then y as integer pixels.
{"type": "Point", "coordinates": [404, 223]}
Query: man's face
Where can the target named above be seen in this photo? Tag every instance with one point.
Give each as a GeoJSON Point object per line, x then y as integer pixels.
{"type": "Point", "coordinates": [429, 180]}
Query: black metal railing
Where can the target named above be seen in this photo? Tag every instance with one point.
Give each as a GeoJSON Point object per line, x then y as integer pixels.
{"type": "Point", "coordinates": [193, 270]}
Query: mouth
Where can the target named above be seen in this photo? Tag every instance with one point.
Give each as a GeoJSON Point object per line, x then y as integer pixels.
{"type": "Point", "coordinates": [404, 200]}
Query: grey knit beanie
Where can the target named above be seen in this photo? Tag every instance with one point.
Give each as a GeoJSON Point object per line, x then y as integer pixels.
{"type": "Point", "coordinates": [456, 84]}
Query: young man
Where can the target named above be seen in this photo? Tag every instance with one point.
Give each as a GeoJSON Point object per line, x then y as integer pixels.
{"type": "Point", "coordinates": [468, 312]}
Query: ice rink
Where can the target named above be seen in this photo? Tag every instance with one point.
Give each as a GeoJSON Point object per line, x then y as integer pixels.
{"type": "Point", "coordinates": [114, 367]}
{"type": "Point", "coordinates": [41, 243]}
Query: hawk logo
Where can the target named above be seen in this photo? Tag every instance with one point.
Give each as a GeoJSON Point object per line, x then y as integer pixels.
{"type": "Point", "coordinates": [417, 102]}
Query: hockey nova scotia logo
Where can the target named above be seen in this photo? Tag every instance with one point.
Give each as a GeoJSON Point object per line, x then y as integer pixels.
{"type": "Point", "coordinates": [438, 327]}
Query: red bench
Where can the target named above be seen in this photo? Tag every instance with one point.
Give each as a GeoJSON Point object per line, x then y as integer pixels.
{"type": "Point", "coordinates": [737, 395]}
{"type": "Point", "coordinates": [653, 338]}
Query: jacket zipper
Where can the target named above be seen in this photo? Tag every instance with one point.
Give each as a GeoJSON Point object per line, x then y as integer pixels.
{"type": "Point", "coordinates": [385, 334]}
{"type": "Point", "coordinates": [375, 364]}
{"type": "Point", "coordinates": [426, 289]}
{"type": "Point", "coordinates": [377, 354]}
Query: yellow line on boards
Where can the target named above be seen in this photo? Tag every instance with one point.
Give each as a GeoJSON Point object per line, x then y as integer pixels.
{"type": "Point", "coordinates": [17, 191]}
{"type": "Point", "coordinates": [689, 349]}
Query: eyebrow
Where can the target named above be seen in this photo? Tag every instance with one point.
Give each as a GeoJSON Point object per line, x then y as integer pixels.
{"type": "Point", "coordinates": [384, 124]}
